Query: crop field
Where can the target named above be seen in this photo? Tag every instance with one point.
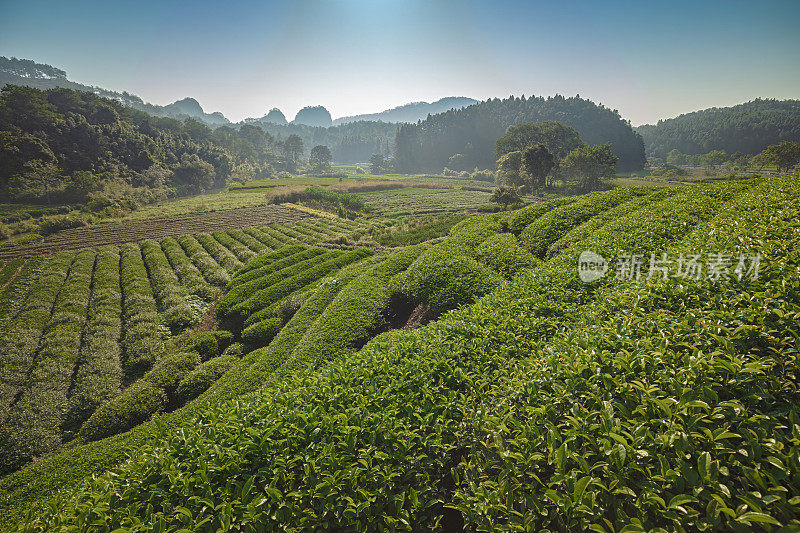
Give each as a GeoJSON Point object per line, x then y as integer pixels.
{"type": "Point", "coordinates": [79, 327]}
{"type": "Point", "coordinates": [417, 201]}
{"type": "Point", "coordinates": [154, 228]}
{"type": "Point", "coordinates": [469, 382]}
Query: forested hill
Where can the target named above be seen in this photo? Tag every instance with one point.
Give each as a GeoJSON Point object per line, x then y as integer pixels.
{"type": "Point", "coordinates": [64, 145]}
{"type": "Point", "coordinates": [747, 128]}
{"type": "Point", "coordinates": [472, 131]}
{"type": "Point", "coordinates": [28, 73]}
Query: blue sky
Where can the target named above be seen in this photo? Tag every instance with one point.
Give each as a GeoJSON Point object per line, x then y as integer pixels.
{"type": "Point", "coordinates": [649, 60]}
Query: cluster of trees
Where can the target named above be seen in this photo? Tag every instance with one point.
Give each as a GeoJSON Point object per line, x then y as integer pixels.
{"type": "Point", "coordinates": [471, 132]}
{"type": "Point", "coordinates": [354, 142]}
{"type": "Point", "coordinates": [531, 156]}
{"type": "Point", "coordinates": [65, 146]}
{"type": "Point", "coordinates": [745, 128]}
{"type": "Point", "coordinates": [783, 156]}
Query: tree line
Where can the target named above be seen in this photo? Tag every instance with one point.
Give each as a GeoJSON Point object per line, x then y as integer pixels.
{"type": "Point", "coordinates": [65, 146]}
{"type": "Point", "coordinates": [745, 128]}
{"type": "Point", "coordinates": [471, 132]}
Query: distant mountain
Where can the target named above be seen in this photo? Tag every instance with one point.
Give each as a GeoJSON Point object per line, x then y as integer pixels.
{"type": "Point", "coordinates": [316, 116]}
{"type": "Point", "coordinates": [41, 76]}
{"type": "Point", "coordinates": [275, 116]}
{"type": "Point", "coordinates": [747, 128]}
{"type": "Point", "coordinates": [412, 112]}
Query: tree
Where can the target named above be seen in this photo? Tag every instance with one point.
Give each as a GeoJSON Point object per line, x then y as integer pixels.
{"type": "Point", "coordinates": [293, 150]}
{"type": "Point", "coordinates": [505, 196]}
{"type": "Point", "coordinates": [508, 169]}
{"type": "Point", "coordinates": [783, 155]}
{"type": "Point", "coordinates": [715, 158]}
{"type": "Point", "coordinates": [586, 166]}
{"type": "Point", "coordinates": [377, 163]}
{"type": "Point", "coordinates": [193, 174]}
{"type": "Point", "coordinates": [457, 162]}
{"type": "Point", "coordinates": [558, 138]}
{"type": "Point", "coordinates": [537, 162]}
{"type": "Point", "coordinates": [320, 158]}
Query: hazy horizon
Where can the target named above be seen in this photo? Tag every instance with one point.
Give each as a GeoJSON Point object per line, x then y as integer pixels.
{"type": "Point", "coordinates": [357, 57]}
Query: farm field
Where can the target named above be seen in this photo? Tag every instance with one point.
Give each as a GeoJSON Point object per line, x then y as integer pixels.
{"type": "Point", "coordinates": [478, 358]}
{"type": "Point", "coordinates": [416, 201]}
{"type": "Point", "coordinates": [81, 326]}
{"type": "Point", "coordinates": [154, 228]}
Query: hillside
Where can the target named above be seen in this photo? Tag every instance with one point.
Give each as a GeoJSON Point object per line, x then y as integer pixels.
{"type": "Point", "coordinates": [531, 401]}
{"type": "Point", "coordinates": [745, 128]}
{"type": "Point", "coordinates": [412, 112]}
{"type": "Point", "coordinates": [27, 73]}
{"type": "Point", "coordinates": [472, 131]}
{"type": "Point", "coordinates": [65, 146]}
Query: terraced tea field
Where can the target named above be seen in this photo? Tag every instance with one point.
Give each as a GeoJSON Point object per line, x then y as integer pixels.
{"type": "Point", "coordinates": [154, 228]}
{"type": "Point", "coordinates": [468, 383]}
{"type": "Point", "coordinates": [79, 327]}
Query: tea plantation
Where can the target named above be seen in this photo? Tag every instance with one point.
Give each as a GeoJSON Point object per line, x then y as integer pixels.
{"type": "Point", "coordinates": [471, 383]}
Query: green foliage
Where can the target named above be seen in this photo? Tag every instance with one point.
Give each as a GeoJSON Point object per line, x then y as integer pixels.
{"type": "Point", "coordinates": [418, 230]}
{"type": "Point", "coordinates": [68, 146]}
{"type": "Point", "coordinates": [557, 138]}
{"type": "Point", "coordinates": [784, 155]}
{"type": "Point", "coordinates": [320, 158]}
{"type": "Point", "coordinates": [537, 162]}
{"type": "Point", "coordinates": [549, 227]}
{"type": "Point", "coordinates": [506, 196]}
{"type": "Point", "coordinates": [299, 277]}
{"type": "Point", "coordinates": [503, 254]}
{"type": "Point", "coordinates": [208, 344]}
{"type": "Point", "coordinates": [261, 333]}
{"type": "Point", "coordinates": [509, 166]}
{"type": "Point", "coordinates": [587, 166]}
{"type": "Point", "coordinates": [549, 404]}
{"type": "Point", "coordinates": [428, 145]}
{"type": "Point", "coordinates": [536, 415]}
{"type": "Point", "coordinates": [146, 397]}
{"type": "Point", "coordinates": [33, 425]}
{"type": "Point", "coordinates": [517, 221]}
{"type": "Point", "coordinates": [236, 349]}
{"type": "Point", "coordinates": [445, 279]}
{"type": "Point", "coordinates": [135, 405]}
{"type": "Point", "coordinates": [206, 374]}
{"type": "Point", "coordinates": [745, 128]}
{"type": "Point", "coordinates": [350, 202]}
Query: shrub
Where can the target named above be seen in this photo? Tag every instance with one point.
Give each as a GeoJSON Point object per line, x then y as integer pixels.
{"type": "Point", "coordinates": [550, 226]}
{"type": "Point", "coordinates": [445, 279]}
{"type": "Point", "coordinates": [521, 218]}
{"type": "Point", "coordinates": [209, 343]}
{"type": "Point", "coordinates": [55, 223]}
{"type": "Point", "coordinates": [207, 265]}
{"type": "Point", "coordinates": [503, 254]}
{"type": "Point", "coordinates": [135, 405]}
{"type": "Point", "coordinates": [202, 377]}
{"type": "Point", "coordinates": [146, 397]}
{"type": "Point", "coordinates": [289, 306]}
{"type": "Point", "coordinates": [260, 333]}
{"type": "Point", "coordinates": [236, 349]}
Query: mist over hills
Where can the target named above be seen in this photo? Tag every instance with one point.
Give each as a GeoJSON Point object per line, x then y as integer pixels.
{"type": "Point", "coordinates": [41, 76]}
{"type": "Point", "coordinates": [746, 128]}
{"type": "Point", "coordinates": [412, 112]}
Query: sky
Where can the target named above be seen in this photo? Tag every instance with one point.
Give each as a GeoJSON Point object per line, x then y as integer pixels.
{"type": "Point", "coordinates": [649, 60]}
